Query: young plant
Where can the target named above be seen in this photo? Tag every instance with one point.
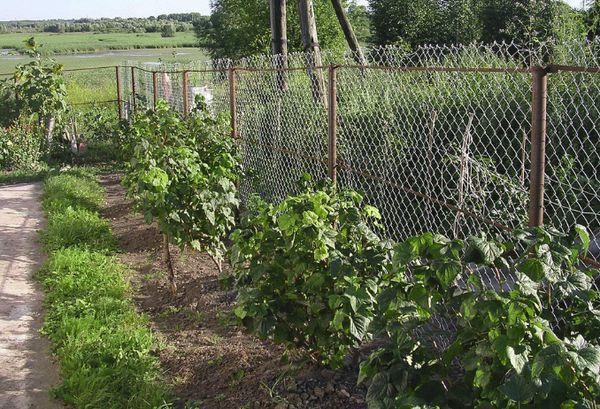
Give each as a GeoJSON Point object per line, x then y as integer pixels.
{"type": "Point", "coordinates": [40, 89]}
{"type": "Point", "coordinates": [460, 336]}
{"type": "Point", "coordinates": [307, 271]}
{"type": "Point", "coordinates": [183, 174]}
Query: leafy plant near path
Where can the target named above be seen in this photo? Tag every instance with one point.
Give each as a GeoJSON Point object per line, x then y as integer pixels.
{"type": "Point", "coordinates": [21, 147]}
{"type": "Point", "coordinates": [183, 174]}
{"type": "Point", "coordinates": [307, 271]}
{"type": "Point", "coordinates": [40, 88]}
{"type": "Point", "coordinates": [509, 350]}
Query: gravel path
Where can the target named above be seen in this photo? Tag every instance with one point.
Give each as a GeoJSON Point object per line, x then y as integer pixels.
{"type": "Point", "coordinates": [26, 371]}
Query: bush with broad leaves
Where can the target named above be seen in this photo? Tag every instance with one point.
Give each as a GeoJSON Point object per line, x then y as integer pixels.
{"type": "Point", "coordinates": [307, 271]}
{"type": "Point", "coordinates": [457, 340]}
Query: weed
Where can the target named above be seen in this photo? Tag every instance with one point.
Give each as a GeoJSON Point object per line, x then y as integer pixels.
{"type": "Point", "coordinates": [217, 361]}
{"type": "Point", "coordinates": [214, 339]}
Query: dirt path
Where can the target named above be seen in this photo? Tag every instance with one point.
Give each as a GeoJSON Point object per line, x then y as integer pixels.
{"type": "Point", "coordinates": [26, 371]}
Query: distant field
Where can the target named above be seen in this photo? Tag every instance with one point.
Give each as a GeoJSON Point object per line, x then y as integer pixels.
{"type": "Point", "coordinates": [99, 85]}
{"type": "Point", "coordinates": [90, 42]}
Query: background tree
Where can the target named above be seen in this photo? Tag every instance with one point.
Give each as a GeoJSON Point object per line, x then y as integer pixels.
{"type": "Point", "coordinates": [592, 20]}
{"type": "Point", "coordinates": [168, 30]}
{"type": "Point", "coordinates": [418, 22]}
{"type": "Point", "coordinates": [240, 28]}
{"type": "Point", "coordinates": [361, 21]}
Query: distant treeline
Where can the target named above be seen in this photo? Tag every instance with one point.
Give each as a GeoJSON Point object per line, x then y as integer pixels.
{"type": "Point", "coordinates": [179, 21]}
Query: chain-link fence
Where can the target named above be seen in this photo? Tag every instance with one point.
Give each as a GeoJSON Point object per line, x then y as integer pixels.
{"type": "Point", "coordinates": [444, 139]}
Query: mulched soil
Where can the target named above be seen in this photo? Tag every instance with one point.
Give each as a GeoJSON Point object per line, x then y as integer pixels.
{"type": "Point", "coordinates": [208, 360]}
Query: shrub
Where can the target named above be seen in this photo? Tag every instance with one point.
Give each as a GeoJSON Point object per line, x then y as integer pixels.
{"type": "Point", "coordinates": [21, 148]}
{"type": "Point", "coordinates": [103, 134]}
{"type": "Point", "coordinates": [508, 349]}
{"type": "Point", "coordinates": [9, 110]}
{"type": "Point", "coordinates": [168, 30]}
{"type": "Point", "coordinates": [307, 271]}
{"type": "Point", "coordinates": [183, 173]}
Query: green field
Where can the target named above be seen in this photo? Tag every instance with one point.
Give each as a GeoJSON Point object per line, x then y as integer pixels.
{"type": "Point", "coordinates": [83, 50]}
{"type": "Point", "coordinates": [99, 85]}
{"type": "Point", "coordinates": [65, 43]}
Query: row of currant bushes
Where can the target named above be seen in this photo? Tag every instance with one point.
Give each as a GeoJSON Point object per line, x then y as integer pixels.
{"type": "Point", "coordinates": [462, 323]}
{"type": "Point", "coordinates": [475, 323]}
{"type": "Point", "coordinates": [103, 346]}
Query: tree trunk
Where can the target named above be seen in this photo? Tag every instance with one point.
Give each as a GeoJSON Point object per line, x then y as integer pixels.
{"type": "Point", "coordinates": [169, 262]}
{"type": "Point", "coordinates": [50, 123]}
{"type": "Point", "coordinates": [310, 40]}
{"type": "Point", "coordinates": [348, 32]}
{"type": "Point", "coordinates": [279, 44]}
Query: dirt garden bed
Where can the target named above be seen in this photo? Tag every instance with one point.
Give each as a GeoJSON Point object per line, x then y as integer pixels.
{"type": "Point", "coordinates": [209, 361]}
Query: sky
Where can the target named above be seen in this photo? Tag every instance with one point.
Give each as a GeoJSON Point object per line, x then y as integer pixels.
{"type": "Point", "coordinates": [50, 9]}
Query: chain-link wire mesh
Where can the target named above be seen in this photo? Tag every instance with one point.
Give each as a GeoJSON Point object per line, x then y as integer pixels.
{"type": "Point", "coordinates": [437, 138]}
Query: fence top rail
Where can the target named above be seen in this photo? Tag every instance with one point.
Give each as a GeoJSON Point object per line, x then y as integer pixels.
{"type": "Point", "coordinates": [550, 68]}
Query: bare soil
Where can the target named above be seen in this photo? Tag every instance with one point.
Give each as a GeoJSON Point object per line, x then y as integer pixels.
{"type": "Point", "coordinates": [208, 360]}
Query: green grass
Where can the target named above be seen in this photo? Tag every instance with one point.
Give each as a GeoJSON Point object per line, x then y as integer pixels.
{"type": "Point", "coordinates": [100, 85]}
{"type": "Point", "coordinates": [75, 227]}
{"type": "Point", "coordinates": [104, 348]}
{"type": "Point", "coordinates": [22, 176]}
{"type": "Point", "coordinates": [65, 43]}
{"type": "Point", "coordinates": [69, 190]}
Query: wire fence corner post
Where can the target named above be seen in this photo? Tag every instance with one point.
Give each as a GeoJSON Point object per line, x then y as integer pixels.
{"type": "Point", "coordinates": [133, 90]}
{"type": "Point", "coordinates": [119, 92]}
{"type": "Point", "coordinates": [154, 89]}
{"type": "Point", "coordinates": [184, 93]}
{"type": "Point", "coordinates": [538, 145]}
{"type": "Point", "coordinates": [332, 124]}
{"type": "Point", "coordinates": [233, 102]}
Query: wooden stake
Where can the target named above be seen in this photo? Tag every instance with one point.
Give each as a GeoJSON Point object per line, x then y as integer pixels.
{"type": "Point", "coordinates": [279, 44]}
{"type": "Point", "coordinates": [348, 32]}
{"type": "Point", "coordinates": [310, 40]}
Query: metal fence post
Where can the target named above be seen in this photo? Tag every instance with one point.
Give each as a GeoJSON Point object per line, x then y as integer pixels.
{"type": "Point", "coordinates": [119, 94]}
{"type": "Point", "coordinates": [538, 145]}
{"type": "Point", "coordinates": [154, 88]}
{"type": "Point", "coordinates": [233, 102]}
{"type": "Point", "coordinates": [184, 94]}
{"type": "Point", "coordinates": [332, 124]}
{"type": "Point", "coordinates": [133, 90]}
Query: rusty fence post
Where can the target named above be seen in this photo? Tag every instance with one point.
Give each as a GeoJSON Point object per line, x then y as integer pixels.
{"type": "Point", "coordinates": [154, 88]}
{"type": "Point", "coordinates": [119, 92]}
{"type": "Point", "coordinates": [233, 102]}
{"type": "Point", "coordinates": [538, 145]}
{"type": "Point", "coordinates": [332, 124]}
{"type": "Point", "coordinates": [185, 96]}
{"type": "Point", "coordinates": [133, 90]}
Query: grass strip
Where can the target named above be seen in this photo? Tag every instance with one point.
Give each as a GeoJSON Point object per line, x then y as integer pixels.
{"type": "Point", "coordinates": [104, 347]}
